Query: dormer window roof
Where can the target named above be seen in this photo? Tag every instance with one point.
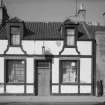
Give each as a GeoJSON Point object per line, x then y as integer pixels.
{"type": "Point", "coordinates": [70, 33]}
{"type": "Point", "coordinates": [15, 32]}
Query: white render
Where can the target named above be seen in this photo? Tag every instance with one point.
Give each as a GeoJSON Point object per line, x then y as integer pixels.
{"type": "Point", "coordinates": [30, 70]}
{"type": "Point", "coordinates": [29, 46]}
{"type": "Point", "coordinates": [85, 89]}
{"type": "Point", "coordinates": [85, 70]}
{"type": "Point", "coordinates": [14, 88]}
{"type": "Point", "coordinates": [1, 69]}
{"type": "Point", "coordinates": [84, 47]}
{"type": "Point", "coordinates": [53, 47]}
{"type": "Point", "coordinates": [69, 51]}
{"type": "Point", "coordinates": [14, 50]}
{"type": "Point", "coordinates": [35, 47]}
{"type": "Point", "coordinates": [55, 70]}
{"type": "Point", "coordinates": [55, 89]}
{"type": "Point", "coordinates": [3, 46]}
{"type": "Point", "coordinates": [1, 88]}
{"type": "Point", "coordinates": [30, 89]}
{"type": "Point", "coordinates": [69, 89]}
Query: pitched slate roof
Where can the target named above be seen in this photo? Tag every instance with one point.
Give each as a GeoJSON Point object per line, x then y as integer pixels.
{"type": "Point", "coordinates": [49, 31]}
{"type": "Point", "coordinates": [42, 30]}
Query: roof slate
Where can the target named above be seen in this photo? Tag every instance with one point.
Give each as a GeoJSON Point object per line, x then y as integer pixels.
{"type": "Point", "coordinates": [41, 30]}
{"type": "Point", "coordinates": [50, 30]}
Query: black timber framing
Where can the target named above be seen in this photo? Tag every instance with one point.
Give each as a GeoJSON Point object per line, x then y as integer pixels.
{"type": "Point", "coordinates": [36, 75]}
{"type": "Point", "coordinates": [94, 66]}
{"type": "Point", "coordinates": [5, 69]}
{"type": "Point", "coordinates": [42, 57]}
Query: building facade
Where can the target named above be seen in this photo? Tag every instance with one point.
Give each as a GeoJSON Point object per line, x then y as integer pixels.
{"type": "Point", "coordinates": [45, 59]}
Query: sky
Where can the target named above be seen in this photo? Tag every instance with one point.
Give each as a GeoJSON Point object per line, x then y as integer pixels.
{"type": "Point", "coordinates": [54, 10]}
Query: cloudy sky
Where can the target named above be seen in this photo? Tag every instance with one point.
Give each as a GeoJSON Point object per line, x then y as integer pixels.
{"type": "Point", "coordinates": [54, 10]}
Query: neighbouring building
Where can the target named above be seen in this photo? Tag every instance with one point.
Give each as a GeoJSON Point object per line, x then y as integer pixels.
{"type": "Point", "coordinates": [45, 59]}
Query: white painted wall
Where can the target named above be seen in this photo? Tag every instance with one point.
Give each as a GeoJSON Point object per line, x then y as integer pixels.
{"type": "Point", "coordinates": [55, 70]}
{"type": "Point", "coordinates": [53, 47]}
{"type": "Point", "coordinates": [30, 89]}
{"type": "Point", "coordinates": [14, 50]}
{"type": "Point", "coordinates": [1, 88]}
{"type": "Point", "coordinates": [1, 69]}
{"type": "Point", "coordinates": [14, 88]}
{"type": "Point", "coordinates": [84, 47]}
{"type": "Point", "coordinates": [29, 46]}
{"type": "Point", "coordinates": [69, 51]}
{"type": "Point", "coordinates": [69, 89]}
{"type": "Point", "coordinates": [55, 89]}
{"type": "Point", "coordinates": [85, 89]}
{"type": "Point", "coordinates": [35, 47]}
{"type": "Point", "coordinates": [85, 70]}
{"type": "Point", "coordinates": [3, 46]}
{"type": "Point", "coordinates": [30, 70]}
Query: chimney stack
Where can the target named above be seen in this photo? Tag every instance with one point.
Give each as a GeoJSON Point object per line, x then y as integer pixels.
{"type": "Point", "coordinates": [82, 12]}
{"type": "Point", "coordinates": [103, 18]}
{"type": "Point", "coordinates": [3, 12]}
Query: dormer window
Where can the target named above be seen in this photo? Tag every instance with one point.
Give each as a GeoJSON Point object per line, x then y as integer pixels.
{"type": "Point", "coordinates": [14, 36]}
{"type": "Point", "coordinates": [70, 38]}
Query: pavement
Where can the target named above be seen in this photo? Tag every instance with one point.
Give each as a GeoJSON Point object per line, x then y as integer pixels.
{"type": "Point", "coordinates": [51, 99]}
{"type": "Point", "coordinates": [71, 103]}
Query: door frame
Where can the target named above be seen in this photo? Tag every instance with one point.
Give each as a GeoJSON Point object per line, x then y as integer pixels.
{"type": "Point", "coordinates": [36, 76]}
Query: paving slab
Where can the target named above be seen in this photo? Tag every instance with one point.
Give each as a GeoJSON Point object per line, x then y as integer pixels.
{"type": "Point", "coordinates": [53, 99]}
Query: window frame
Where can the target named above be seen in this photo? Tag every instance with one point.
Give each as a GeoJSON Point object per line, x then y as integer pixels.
{"type": "Point", "coordinates": [71, 84]}
{"type": "Point", "coordinates": [6, 71]}
{"type": "Point", "coordinates": [11, 44]}
{"type": "Point", "coordinates": [61, 72]}
{"type": "Point", "coordinates": [75, 36]}
{"type": "Point", "coordinates": [15, 24]}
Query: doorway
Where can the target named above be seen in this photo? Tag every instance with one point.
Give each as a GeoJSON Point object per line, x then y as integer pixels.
{"type": "Point", "coordinates": [42, 78]}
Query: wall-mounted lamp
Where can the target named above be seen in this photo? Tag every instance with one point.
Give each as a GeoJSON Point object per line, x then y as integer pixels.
{"type": "Point", "coordinates": [43, 48]}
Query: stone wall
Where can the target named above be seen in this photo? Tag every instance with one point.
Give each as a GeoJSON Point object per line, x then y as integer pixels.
{"type": "Point", "coordinates": [100, 57]}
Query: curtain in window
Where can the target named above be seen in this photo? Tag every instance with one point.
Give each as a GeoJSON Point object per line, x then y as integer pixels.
{"type": "Point", "coordinates": [15, 35]}
{"type": "Point", "coordinates": [70, 37]}
{"type": "Point", "coordinates": [69, 72]}
{"type": "Point", "coordinates": [15, 71]}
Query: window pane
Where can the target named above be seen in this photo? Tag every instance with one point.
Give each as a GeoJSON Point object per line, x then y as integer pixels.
{"type": "Point", "coordinates": [70, 32]}
{"type": "Point", "coordinates": [15, 39]}
{"type": "Point", "coordinates": [69, 72]}
{"type": "Point", "coordinates": [15, 30]}
{"type": "Point", "coordinates": [15, 71]}
{"type": "Point", "coordinates": [15, 35]}
{"type": "Point", "coordinates": [70, 40]}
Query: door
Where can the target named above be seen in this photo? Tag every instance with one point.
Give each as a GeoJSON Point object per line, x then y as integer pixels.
{"type": "Point", "coordinates": [43, 78]}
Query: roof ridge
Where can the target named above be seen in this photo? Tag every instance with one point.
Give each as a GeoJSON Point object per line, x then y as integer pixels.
{"type": "Point", "coordinates": [41, 22]}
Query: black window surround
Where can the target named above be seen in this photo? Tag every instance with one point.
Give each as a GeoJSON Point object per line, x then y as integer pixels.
{"type": "Point", "coordinates": [21, 29]}
{"type": "Point", "coordinates": [68, 35]}
{"type": "Point", "coordinates": [69, 71]}
{"type": "Point", "coordinates": [77, 72]}
{"type": "Point", "coordinates": [14, 36]}
{"type": "Point", "coordinates": [15, 71]}
{"type": "Point", "coordinates": [77, 83]}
